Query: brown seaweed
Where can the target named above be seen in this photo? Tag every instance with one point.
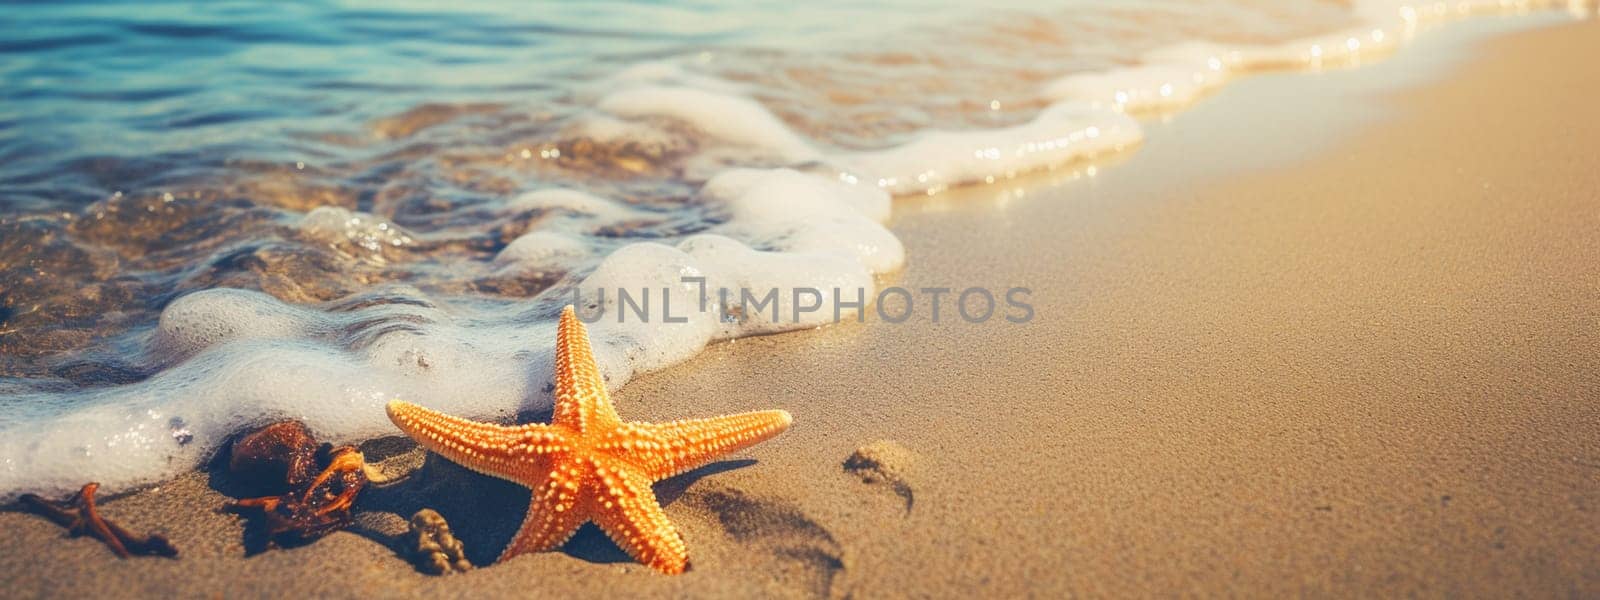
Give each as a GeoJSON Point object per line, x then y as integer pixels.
{"type": "Point", "coordinates": [81, 516]}
{"type": "Point", "coordinates": [309, 489]}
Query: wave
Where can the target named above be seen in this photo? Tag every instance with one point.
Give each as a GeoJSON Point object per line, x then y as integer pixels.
{"type": "Point", "coordinates": [755, 204]}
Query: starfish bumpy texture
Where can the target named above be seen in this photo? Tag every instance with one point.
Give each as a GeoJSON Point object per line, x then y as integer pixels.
{"type": "Point", "coordinates": [586, 464]}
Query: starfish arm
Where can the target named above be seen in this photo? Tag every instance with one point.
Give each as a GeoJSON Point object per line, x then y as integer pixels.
{"type": "Point", "coordinates": [551, 521]}
{"type": "Point", "coordinates": [667, 449]}
{"type": "Point", "coordinates": [498, 450]}
{"type": "Point", "coordinates": [626, 509]}
{"type": "Point", "coordinates": [581, 400]}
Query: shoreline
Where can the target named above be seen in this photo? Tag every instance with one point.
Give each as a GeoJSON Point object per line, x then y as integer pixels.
{"type": "Point", "coordinates": [1194, 409]}
{"type": "Point", "coordinates": [186, 367]}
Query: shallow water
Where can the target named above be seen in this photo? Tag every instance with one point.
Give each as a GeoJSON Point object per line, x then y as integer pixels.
{"type": "Point", "coordinates": [380, 200]}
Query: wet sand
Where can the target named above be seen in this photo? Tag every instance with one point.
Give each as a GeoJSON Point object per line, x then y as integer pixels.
{"type": "Point", "coordinates": [1325, 334]}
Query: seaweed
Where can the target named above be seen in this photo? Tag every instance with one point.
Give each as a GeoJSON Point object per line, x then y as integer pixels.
{"type": "Point", "coordinates": [310, 488]}
{"type": "Point", "coordinates": [81, 516]}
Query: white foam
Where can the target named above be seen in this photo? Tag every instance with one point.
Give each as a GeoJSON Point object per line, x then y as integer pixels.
{"type": "Point", "coordinates": [791, 212]}
{"type": "Point", "coordinates": [1063, 133]}
{"type": "Point", "coordinates": [668, 72]}
{"type": "Point", "coordinates": [1162, 86]}
{"type": "Point", "coordinates": [243, 357]}
{"type": "Point", "coordinates": [240, 357]}
{"type": "Point", "coordinates": [729, 117]}
{"type": "Point", "coordinates": [572, 203]}
{"type": "Point", "coordinates": [198, 321]}
{"type": "Point", "coordinates": [559, 243]}
{"type": "Point", "coordinates": [1173, 77]}
{"type": "Point", "coordinates": [542, 252]}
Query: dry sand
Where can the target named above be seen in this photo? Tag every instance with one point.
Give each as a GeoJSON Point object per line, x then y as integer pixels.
{"type": "Point", "coordinates": [1331, 334]}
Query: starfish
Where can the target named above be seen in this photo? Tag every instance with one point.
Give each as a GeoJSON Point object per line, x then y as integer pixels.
{"type": "Point", "coordinates": [587, 464]}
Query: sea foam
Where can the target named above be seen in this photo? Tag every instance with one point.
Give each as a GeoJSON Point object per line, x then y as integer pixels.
{"type": "Point", "coordinates": [236, 357]}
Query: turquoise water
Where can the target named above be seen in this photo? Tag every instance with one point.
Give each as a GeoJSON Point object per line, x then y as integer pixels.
{"type": "Point", "coordinates": [102, 97]}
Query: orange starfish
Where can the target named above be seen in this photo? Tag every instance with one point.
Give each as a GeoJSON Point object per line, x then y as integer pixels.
{"type": "Point", "coordinates": [588, 465]}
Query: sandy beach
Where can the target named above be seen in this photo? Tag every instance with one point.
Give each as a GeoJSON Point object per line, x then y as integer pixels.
{"type": "Point", "coordinates": [1325, 334]}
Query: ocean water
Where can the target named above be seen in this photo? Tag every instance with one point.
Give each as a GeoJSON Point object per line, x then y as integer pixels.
{"type": "Point", "coordinates": [218, 214]}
